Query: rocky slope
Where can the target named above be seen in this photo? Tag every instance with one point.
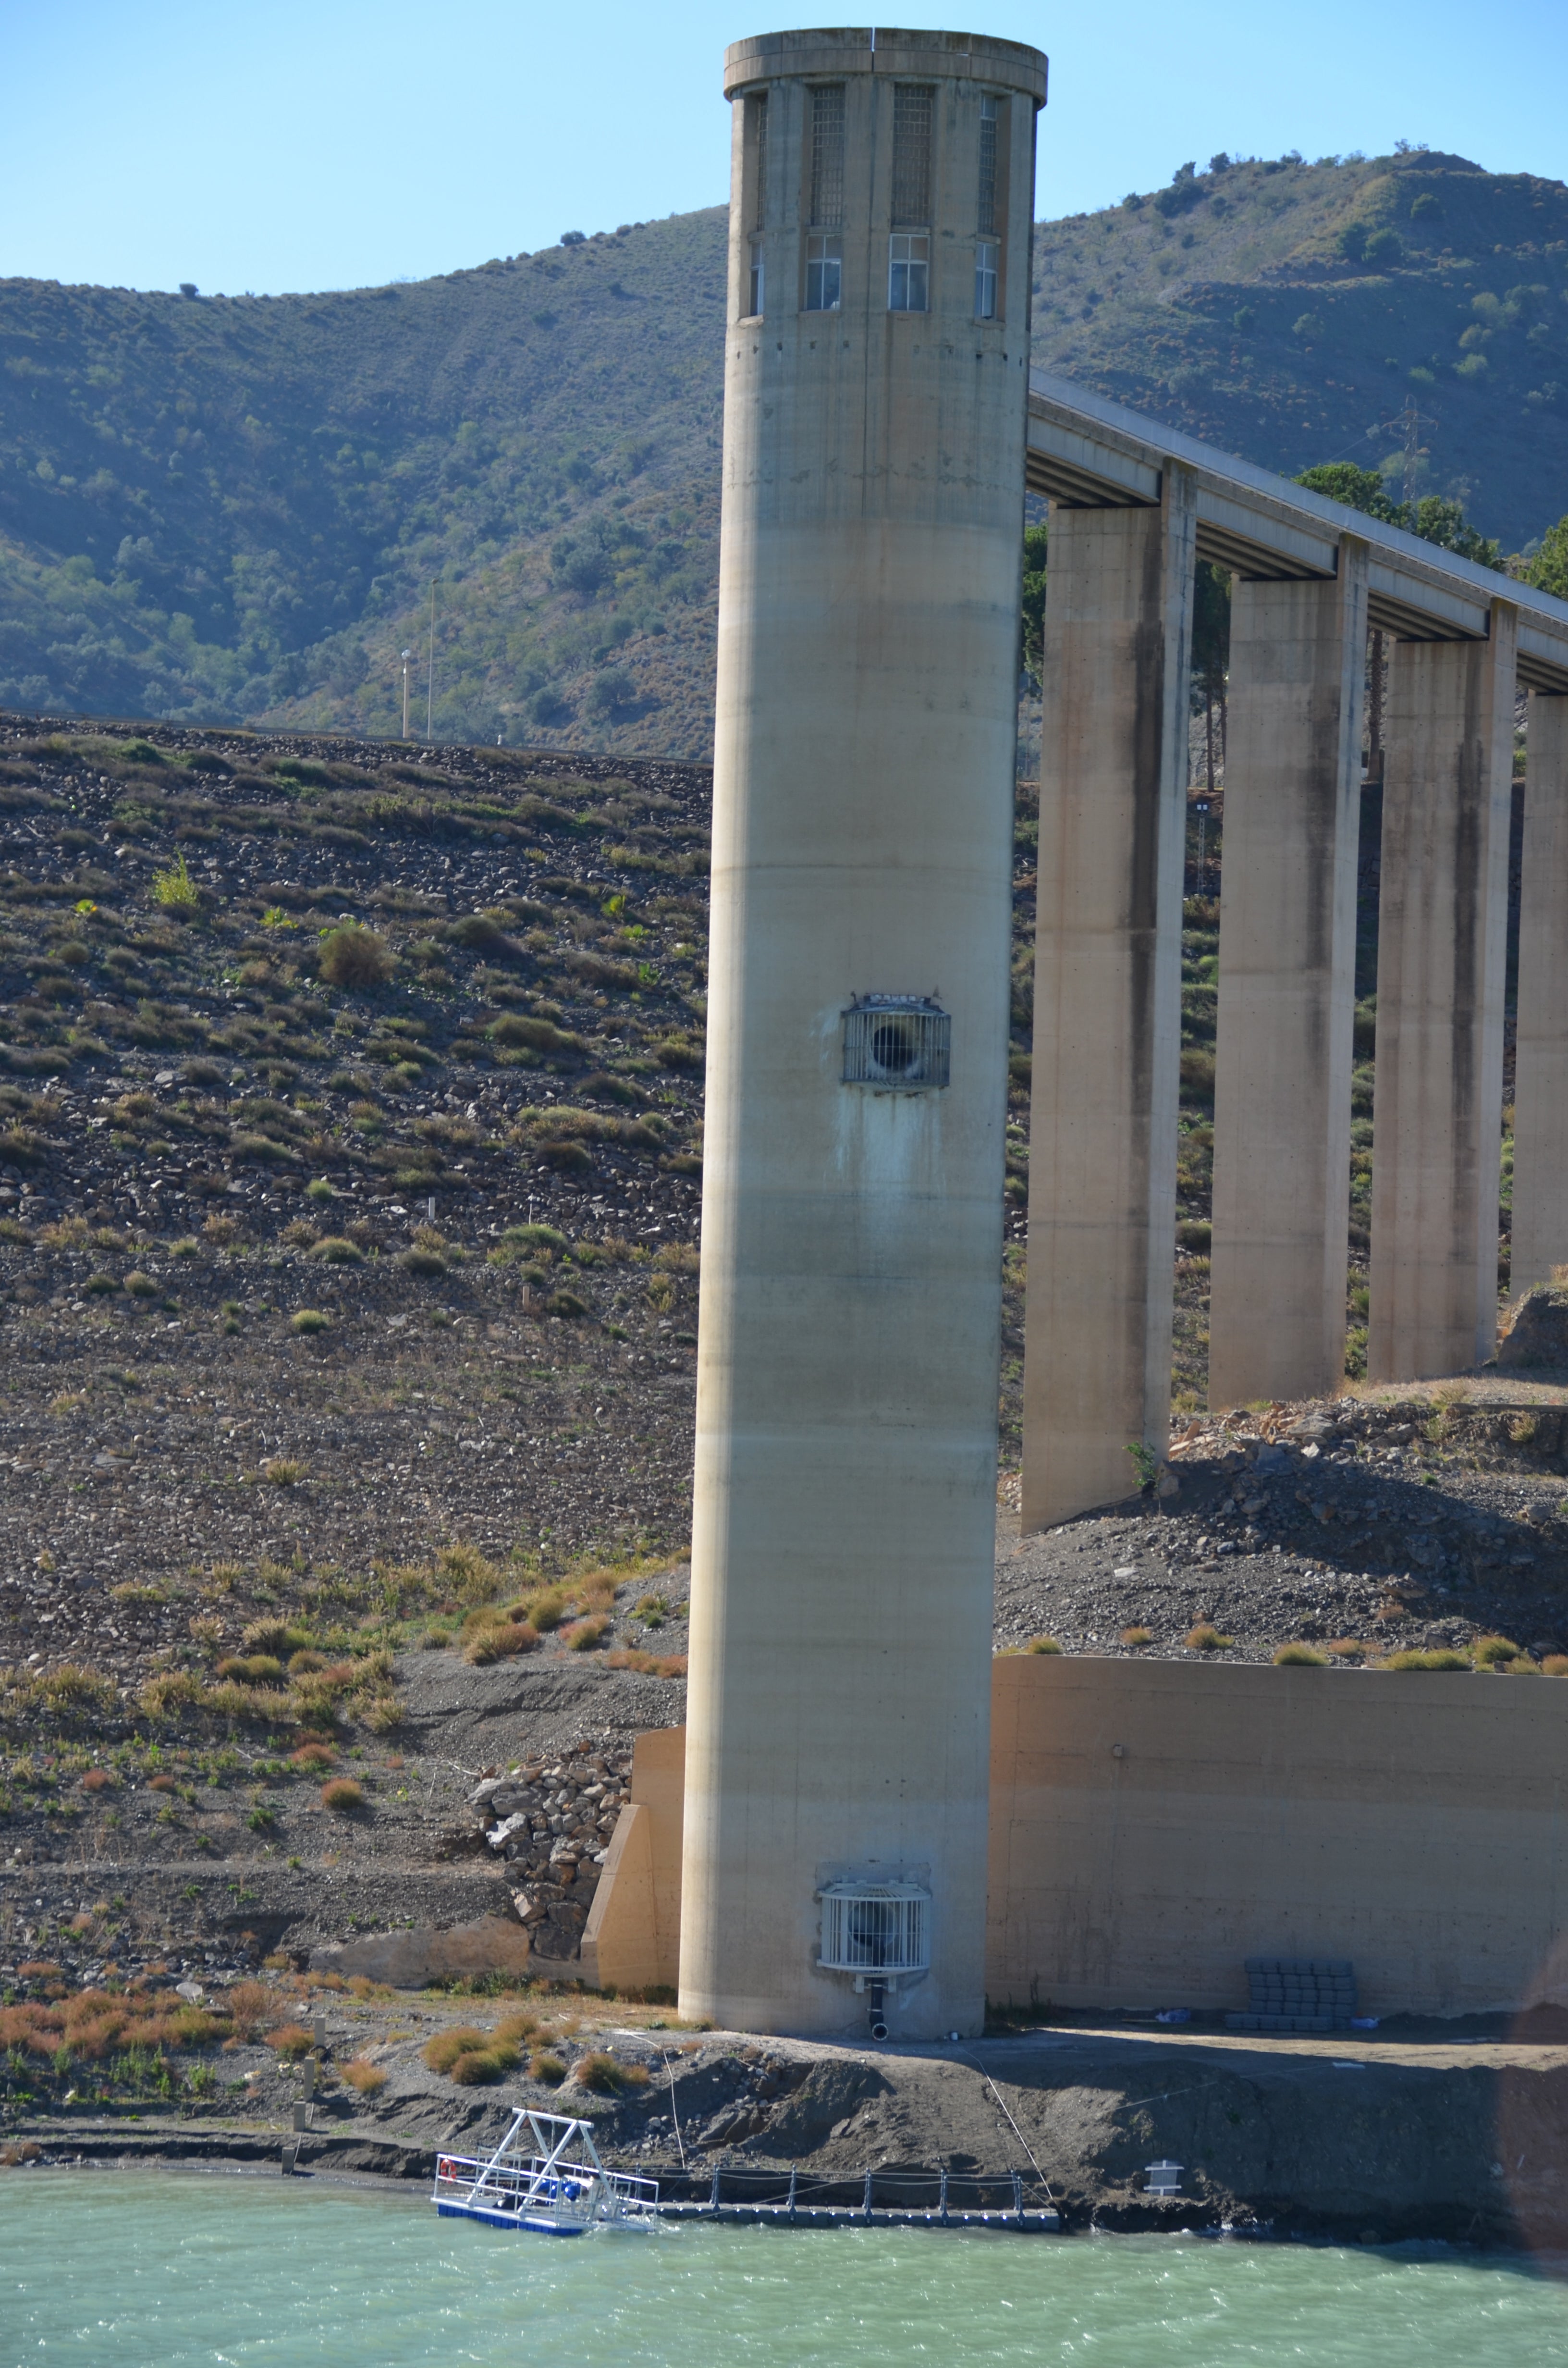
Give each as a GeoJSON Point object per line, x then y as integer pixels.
{"type": "Point", "coordinates": [350, 1157]}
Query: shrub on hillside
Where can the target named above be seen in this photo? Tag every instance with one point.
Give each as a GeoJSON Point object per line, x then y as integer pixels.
{"type": "Point", "coordinates": [352, 955]}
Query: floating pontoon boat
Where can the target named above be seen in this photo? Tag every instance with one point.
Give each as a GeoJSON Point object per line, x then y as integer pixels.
{"type": "Point", "coordinates": [545, 2174]}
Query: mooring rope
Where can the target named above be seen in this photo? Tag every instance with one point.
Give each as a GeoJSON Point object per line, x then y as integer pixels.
{"type": "Point", "coordinates": [1012, 2124]}
{"type": "Point", "coordinates": [675, 2109]}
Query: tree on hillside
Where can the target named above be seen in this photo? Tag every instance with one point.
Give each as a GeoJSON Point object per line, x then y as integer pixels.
{"type": "Point", "coordinates": [1441, 521]}
{"type": "Point", "coordinates": [1358, 489]}
{"type": "Point", "coordinates": [1434, 518]}
{"type": "Point", "coordinates": [1547, 571]}
{"type": "Point", "coordinates": [1210, 653]}
{"type": "Point", "coordinates": [1035, 540]}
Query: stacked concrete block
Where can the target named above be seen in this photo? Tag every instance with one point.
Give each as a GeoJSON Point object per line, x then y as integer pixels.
{"type": "Point", "coordinates": [1298, 1994]}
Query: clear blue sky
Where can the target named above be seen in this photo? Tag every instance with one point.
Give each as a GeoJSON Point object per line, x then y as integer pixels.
{"type": "Point", "coordinates": [283, 145]}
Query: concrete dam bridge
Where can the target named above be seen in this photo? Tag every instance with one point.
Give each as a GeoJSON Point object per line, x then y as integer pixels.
{"type": "Point", "coordinates": [1132, 507]}
{"type": "Point", "coordinates": [881, 429]}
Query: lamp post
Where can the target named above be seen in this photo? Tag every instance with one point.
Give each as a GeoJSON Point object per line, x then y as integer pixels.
{"type": "Point", "coordinates": [406, 655]}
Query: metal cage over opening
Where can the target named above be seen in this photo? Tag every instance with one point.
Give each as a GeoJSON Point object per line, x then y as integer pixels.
{"type": "Point", "coordinates": [879, 1929]}
{"type": "Point", "coordinates": [900, 1042]}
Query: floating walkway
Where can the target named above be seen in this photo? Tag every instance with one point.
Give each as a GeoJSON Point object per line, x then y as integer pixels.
{"type": "Point", "coordinates": [802, 2203]}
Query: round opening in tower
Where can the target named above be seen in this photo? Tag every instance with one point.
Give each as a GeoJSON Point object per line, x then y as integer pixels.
{"type": "Point", "coordinates": [897, 1040]}
{"type": "Point", "coordinates": [893, 1048]}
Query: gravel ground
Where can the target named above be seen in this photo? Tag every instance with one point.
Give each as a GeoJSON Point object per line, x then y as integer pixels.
{"type": "Point", "coordinates": [1391, 1522]}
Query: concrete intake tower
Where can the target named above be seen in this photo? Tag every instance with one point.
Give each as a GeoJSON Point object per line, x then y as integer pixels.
{"type": "Point", "coordinates": [876, 382]}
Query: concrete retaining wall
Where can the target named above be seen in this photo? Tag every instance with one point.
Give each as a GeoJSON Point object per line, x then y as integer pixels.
{"type": "Point", "coordinates": [1155, 1823]}
{"type": "Point", "coordinates": [632, 1941]}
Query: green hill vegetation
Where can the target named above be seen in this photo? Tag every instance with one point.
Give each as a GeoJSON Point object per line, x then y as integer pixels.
{"type": "Point", "coordinates": [1282, 309]}
{"type": "Point", "coordinates": [228, 508]}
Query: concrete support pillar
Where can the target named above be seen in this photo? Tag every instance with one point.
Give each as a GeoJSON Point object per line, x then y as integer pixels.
{"type": "Point", "coordinates": [1286, 986]}
{"type": "Point", "coordinates": [1540, 1067]}
{"type": "Point", "coordinates": [1442, 945]}
{"type": "Point", "coordinates": [1108, 999]}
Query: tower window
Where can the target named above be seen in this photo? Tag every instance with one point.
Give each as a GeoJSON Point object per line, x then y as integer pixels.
{"type": "Point", "coordinates": [900, 1042]}
{"type": "Point", "coordinates": [825, 271]}
{"type": "Point", "coordinates": [985, 280]}
{"type": "Point", "coordinates": [756, 196]}
{"type": "Point", "coordinates": [986, 219]}
{"type": "Point", "coordinates": [912, 105]}
{"type": "Point", "coordinates": [827, 161]}
{"type": "Point", "coordinates": [909, 271]}
{"type": "Point", "coordinates": [756, 108]}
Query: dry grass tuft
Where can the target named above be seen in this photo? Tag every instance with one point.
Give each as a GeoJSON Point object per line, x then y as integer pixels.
{"type": "Point", "coordinates": [547, 2068]}
{"type": "Point", "coordinates": [1300, 1656]}
{"type": "Point", "coordinates": [1137, 1636]}
{"type": "Point", "coordinates": [499, 1640]}
{"type": "Point", "coordinates": [606, 2076]}
{"type": "Point", "coordinates": [513, 2029]}
{"type": "Point", "coordinates": [648, 1665]}
{"type": "Point", "coordinates": [291, 2041]}
{"type": "Point", "coordinates": [442, 2052]}
{"type": "Point", "coordinates": [473, 2058]}
{"type": "Point", "coordinates": [252, 1669]}
{"type": "Point", "coordinates": [1347, 1648]}
{"type": "Point", "coordinates": [366, 2077]}
{"type": "Point", "coordinates": [1206, 1638]}
{"type": "Point", "coordinates": [1495, 1652]}
{"type": "Point", "coordinates": [543, 1612]}
{"type": "Point", "coordinates": [342, 1796]}
{"type": "Point", "coordinates": [480, 2066]}
{"type": "Point", "coordinates": [1042, 1644]}
{"type": "Point", "coordinates": [249, 2005]}
{"type": "Point", "coordinates": [586, 1635]}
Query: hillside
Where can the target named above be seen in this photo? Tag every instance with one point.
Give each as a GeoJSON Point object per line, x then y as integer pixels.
{"type": "Point", "coordinates": [350, 1145]}
{"type": "Point", "coordinates": [227, 509]}
{"type": "Point", "coordinates": [235, 507]}
{"type": "Point", "coordinates": [1281, 310]}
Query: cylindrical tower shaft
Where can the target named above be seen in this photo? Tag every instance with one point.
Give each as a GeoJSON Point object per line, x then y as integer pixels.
{"type": "Point", "coordinates": [844, 1525]}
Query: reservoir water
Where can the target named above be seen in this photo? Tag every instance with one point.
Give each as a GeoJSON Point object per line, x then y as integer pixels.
{"type": "Point", "coordinates": [122, 2270]}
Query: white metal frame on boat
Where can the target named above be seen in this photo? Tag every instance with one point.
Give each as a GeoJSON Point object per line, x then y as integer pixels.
{"type": "Point", "coordinates": [555, 2183]}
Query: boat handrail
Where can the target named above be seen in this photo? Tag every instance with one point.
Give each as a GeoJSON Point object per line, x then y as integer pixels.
{"type": "Point", "coordinates": [560, 2177]}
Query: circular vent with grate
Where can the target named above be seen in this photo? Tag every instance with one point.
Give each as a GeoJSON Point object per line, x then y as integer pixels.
{"type": "Point", "coordinates": [876, 1928]}
{"type": "Point", "coordinates": [897, 1041]}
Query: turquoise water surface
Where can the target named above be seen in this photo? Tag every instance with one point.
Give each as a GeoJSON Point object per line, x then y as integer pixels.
{"type": "Point", "coordinates": [115, 2270]}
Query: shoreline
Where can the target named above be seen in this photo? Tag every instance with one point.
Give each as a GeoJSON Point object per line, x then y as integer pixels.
{"type": "Point", "coordinates": [1415, 2138]}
